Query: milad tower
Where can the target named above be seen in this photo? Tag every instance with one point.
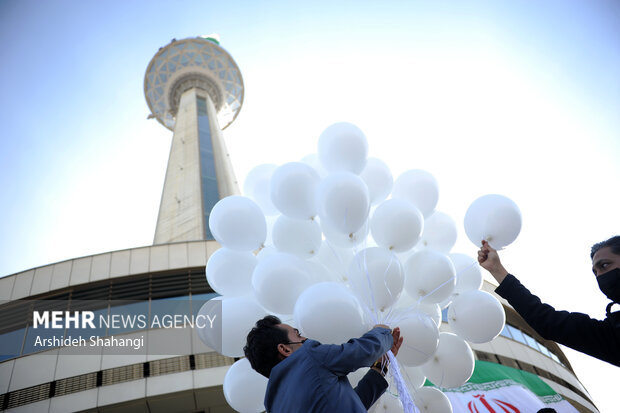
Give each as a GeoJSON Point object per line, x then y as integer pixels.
{"type": "Point", "coordinates": [194, 88]}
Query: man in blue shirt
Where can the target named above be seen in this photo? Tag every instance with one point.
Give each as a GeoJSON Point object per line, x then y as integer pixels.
{"type": "Point", "coordinates": [307, 376]}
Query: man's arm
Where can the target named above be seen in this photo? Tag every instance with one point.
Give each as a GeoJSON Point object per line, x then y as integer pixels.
{"type": "Point", "coordinates": [370, 388]}
{"type": "Point", "coordinates": [575, 330]}
{"type": "Point", "coordinates": [355, 353]}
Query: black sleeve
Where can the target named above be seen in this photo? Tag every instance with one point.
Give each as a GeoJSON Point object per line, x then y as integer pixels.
{"type": "Point", "coordinates": [370, 388]}
{"type": "Point", "coordinates": [575, 330]}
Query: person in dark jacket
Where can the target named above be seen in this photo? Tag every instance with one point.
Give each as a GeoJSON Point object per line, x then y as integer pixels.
{"type": "Point", "coordinates": [600, 339]}
{"type": "Point", "coordinates": [307, 376]}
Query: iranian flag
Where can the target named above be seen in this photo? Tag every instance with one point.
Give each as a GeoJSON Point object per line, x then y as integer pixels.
{"type": "Point", "coordinates": [494, 388]}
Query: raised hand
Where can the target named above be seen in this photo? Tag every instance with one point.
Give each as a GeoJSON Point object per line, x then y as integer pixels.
{"type": "Point", "coordinates": [489, 260]}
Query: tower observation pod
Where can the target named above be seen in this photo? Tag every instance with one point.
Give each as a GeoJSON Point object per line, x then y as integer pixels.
{"type": "Point", "coordinates": [194, 88]}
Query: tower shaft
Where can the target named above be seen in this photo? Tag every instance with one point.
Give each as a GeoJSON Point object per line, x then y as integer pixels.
{"type": "Point", "coordinates": [199, 172]}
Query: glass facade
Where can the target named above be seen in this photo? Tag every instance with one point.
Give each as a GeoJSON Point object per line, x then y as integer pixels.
{"type": "Point", "coordinates": [208, 179]}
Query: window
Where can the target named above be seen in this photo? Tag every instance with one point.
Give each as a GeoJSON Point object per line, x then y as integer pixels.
{"type": "Point", "coordinates": [208, 178]}
{"type": "Point", "coordinates": [516, 334]}
{"type": "Point", "coordinates": [505, 332]}
{"type": "Point", "coordinates": [543, 349]}
{"type": "Point", "coordinates": [531, 342]}
{"type": "Point", "coordinates": [11, 344]}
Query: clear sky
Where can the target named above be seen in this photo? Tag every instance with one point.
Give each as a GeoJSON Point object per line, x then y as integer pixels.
{"type": "Point", "coordinates": [517, 98]}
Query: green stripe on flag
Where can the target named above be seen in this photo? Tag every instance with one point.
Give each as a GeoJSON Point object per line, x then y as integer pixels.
{"type": "Point", "coordinates": [486, 372]}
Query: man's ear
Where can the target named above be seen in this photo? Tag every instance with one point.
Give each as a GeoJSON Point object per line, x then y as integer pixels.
{"type": "Point", "coordinates": [284, 351]}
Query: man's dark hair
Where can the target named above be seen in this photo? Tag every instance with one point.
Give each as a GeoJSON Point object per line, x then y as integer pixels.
{"type": "Point", "coordinates": [547, 410]}
{"type": "Point", "coordinates": [261, 347]}
{"type": "Point", "coordinates": [613, 243]}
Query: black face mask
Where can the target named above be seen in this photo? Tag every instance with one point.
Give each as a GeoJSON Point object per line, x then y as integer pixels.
{"type": "Point", "coordinates": [609, 283]}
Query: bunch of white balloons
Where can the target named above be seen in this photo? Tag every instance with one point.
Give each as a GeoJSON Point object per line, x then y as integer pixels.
{"type": "Point", "coordinates": [322, 244]}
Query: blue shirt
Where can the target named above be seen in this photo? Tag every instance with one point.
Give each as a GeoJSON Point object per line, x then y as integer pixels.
{"type": "Point", "coordinates": [314, 377]}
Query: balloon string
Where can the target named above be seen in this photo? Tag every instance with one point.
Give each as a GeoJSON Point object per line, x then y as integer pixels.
{"type": "Point", "coordinates": [401, 387]}
{"type": "Point", "coordinates": [372, 296]}
{"type": "Point", "coordinates": [403, 391]}
{"type": "Point", "coordinates": [392, 298]}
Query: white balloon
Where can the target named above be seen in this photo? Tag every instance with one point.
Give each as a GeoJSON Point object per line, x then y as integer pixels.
{"type": "Point", "coordinates": [439, 233]}
{"type": "Point", "coordinates": [330, 313]}
{"type": "Point", "coordinates": [468, 274]}
{"type": "Point", "coordinates": [293, 190]}
{"type": "Point", "coordinates": [432, 400]}
{"type": "Point", "coordinates": [421, 338]}
{"type": "Point", "coordinates": [453, 362]}
{"type": "Point", "coordinates": [271, 220]}
{"type": "Point", "coordinates": [266, 252]}
{"type": "Point", "coordinates": [233, 318]}
{"type": "Point", "coordinates": [446, 302]}
{"type": "Point", "coordinates": [302, 238]}
{"type": "Point", "coordinates": [229, 272]}
{"type": "Point", "coordinates": [379, 180]}
{"type": "Point", "coordinates": [244, 388]}
{"type": "Point", "coordinates": [493, 218]}
{"type": "Point", "coordinates": [314, 161]}
{"type": "Point", "coordinates": [257, 186]}
{"type": "Point", "coordinates": [476, 316]}
{"type": "Point", "coordinates": [210, 310]}
{"type": "Point", "coordinates": [343, 202]}
{"type": "Point", "coordinates": [278, 280]}
{"type": "Point", "coordinates": [376, 276]}
{"type": "Point", "coordinates": [387, 403]}
{"type": "Point", "coordinates": [238, 223]}
{"type": "Point", "coordinates": [335, 259]}
{"type": "Point", "coordinates": [319, 273]}
{"type": "Point", "coordinates": [343, 147]}
{"type": "Point", "coordinates": [396, 225]}
{"type": "Point", "coordinates": [407, 304]}
{"type": "Point", "coordinates": [418, 187]}
{"type": "Point", "coordinates": [404, 256]}
{"type": "Point", "coordinates": [350, 240]}
{"type": "Point", "coordinates": [413, 376]}
{"type": "Point", "coordinates": [430, 276]}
